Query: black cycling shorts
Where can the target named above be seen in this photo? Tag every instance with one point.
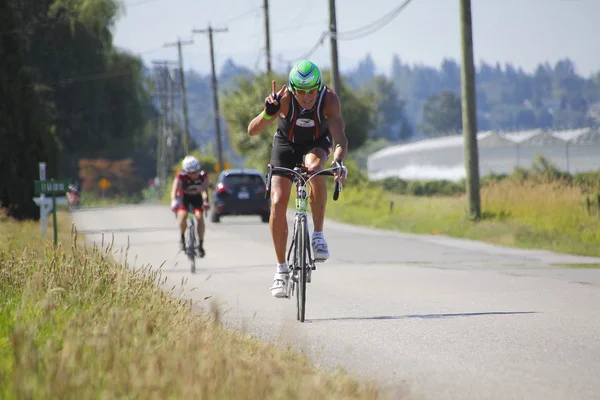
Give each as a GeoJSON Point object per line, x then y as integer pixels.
{"type": "Point", "coordinates": [194, 202]}
{"type": "Point", "coordinates": [288, 154]}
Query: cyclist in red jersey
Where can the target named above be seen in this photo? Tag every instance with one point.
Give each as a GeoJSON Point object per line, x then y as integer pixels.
{"type": "Point", "coordinates": [190, 189]}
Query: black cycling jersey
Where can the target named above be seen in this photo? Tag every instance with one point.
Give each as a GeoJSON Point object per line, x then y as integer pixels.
{"type": "Point", "coordinates": [304, 126]}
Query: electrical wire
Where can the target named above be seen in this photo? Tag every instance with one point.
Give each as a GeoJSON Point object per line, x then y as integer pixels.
{"type": "Point", "coordinates": [373, 26]}
{"type": "Point", "coordinates": [359, 32]}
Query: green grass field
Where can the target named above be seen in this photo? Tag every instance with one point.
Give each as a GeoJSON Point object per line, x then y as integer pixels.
{"type": "Point", "coordinates": [550, 216]}
{"type": "Point", "coordinates": [76, 325]}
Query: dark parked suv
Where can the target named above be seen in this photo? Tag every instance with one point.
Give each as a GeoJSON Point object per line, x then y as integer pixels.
{"type": "Point", "coordinates": [240, 192]}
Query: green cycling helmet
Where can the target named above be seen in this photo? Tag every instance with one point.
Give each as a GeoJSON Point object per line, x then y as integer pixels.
{"type": "Point", "coordinates": [305, 76]}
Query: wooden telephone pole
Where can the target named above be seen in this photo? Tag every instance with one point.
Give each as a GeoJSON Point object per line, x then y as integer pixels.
{"type": "Point", "coordinates": [210, 31]}
{"type": "Point", "coordinates": [186, 124]}
{"type": "Point", "coordinates": [335, 69]}
{"type": "Point", "coordinates": [469, 116]}
{"type": "Point", "coordinates": [267, 35]}
{"type": "Point", "coordinates": [163, 149]}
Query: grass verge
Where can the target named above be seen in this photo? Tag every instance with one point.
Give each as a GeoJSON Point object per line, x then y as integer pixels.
{"type": "Point", "coordinates": [578, 265]}
{"type": "Point", "coordinates": [549, 216]}
{"type": "Point", "coordinates": [74, 325]}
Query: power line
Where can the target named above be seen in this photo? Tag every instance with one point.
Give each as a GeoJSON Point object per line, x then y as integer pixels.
{"type": "Point", "coordinates": [242, 15]}
{"type": "Point", "coordinates": [359, 32]}
{"type": "Point", "coordinates": [373, 26]}
{"type": "Point", "coordinates": [313, 49]}
{"type": "Point", "coordinates": [138, 3]}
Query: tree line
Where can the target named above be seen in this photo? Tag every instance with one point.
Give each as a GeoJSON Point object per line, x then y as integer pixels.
{"type": "Point", "coordinates": [427, 99]}
{"type": "Point", "coordinates": [414, 101]}
{"type": "Point", "coordinates": [67, 93]}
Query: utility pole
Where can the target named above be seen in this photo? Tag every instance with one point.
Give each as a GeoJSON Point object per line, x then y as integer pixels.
{"type": "Point", "coordinates": [335, 70]}
{"type": "Point", "coordinates": [172, 124]}
{"type": "Point", "coordinates": [186, 124]}
{"type": "Point", "coordinates": [267, 35]}
{"type": "Point", "coordinates": [171, 143]}
{"type": "Point", "coordinates": [210, 31]}
{"type": "Point", "coordinates": [469, 116]}
{"type": "Point", "coordinates": [162, 73]}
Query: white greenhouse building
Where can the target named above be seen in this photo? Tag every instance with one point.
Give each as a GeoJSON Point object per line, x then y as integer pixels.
{"type": "Point", "coordinates": [443, 158]}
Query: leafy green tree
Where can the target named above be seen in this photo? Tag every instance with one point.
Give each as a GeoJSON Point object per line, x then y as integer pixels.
{"type": "Point", "coordinates": [442, 114]}
{"type": "Point", "coordinates": [25, 135]}
{"type": "Point", "coordinates": [389, 120]}
{"type": "Point", "coordinates": [95, 94]}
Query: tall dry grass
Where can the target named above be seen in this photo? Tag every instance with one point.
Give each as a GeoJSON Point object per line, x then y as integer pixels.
{"type": "Point", "coordinates": [551, 215]}
{"type": "Point", "coordinates": [76, 325]}
{"type": "Point", "coordinates": [541, 215]}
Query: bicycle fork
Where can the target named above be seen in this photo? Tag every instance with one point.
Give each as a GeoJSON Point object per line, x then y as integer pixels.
{"type": "Point", "coordinates": [310, 265]}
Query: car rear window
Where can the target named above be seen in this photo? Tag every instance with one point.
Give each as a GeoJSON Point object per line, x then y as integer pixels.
{"type": "Point", "coordinates": [243, 179]}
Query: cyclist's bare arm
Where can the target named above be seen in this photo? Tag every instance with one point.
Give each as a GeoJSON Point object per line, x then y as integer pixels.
{"type": "Point", "coordinates": [259, 123]}
{"type": "Point", "coordinates": [175, 188]}
{"type": "Point", "coordinates": [204, 190]}
{"type": "Point", "coordinates": [333, 112]}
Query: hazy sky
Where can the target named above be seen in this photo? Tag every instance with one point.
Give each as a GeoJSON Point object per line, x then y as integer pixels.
{"type": "Point", "coordinates": [523, 32]}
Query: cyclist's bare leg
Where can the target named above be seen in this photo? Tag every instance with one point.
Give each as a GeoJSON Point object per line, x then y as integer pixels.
{"type": "Point", "coordinates": [280, 196]}
{"type": "Point", "coordinates": [200, 226]}
{"type": "Point", "coordinates": [200, 223]}
{"type": "Point", "coordinates": [181, 220]}
{"type": "Point", "coordinates": [315, 160]}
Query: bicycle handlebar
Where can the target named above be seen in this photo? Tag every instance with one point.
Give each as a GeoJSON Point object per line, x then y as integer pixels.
{"type": "Point", "coordinates": [301, 173]}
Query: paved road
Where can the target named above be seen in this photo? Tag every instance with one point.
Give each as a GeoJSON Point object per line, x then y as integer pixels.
{"type": "Point", "coordinates": [437, 317]}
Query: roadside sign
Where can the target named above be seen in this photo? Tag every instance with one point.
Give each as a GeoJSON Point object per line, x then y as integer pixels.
{"type": "Point", "coordinates": [104, 184]}
{"type": "Point", "coordinates": [52, 187]}
{"type": "Point", "coordinates": [60, 201]}
{"type": "Point", "coordinates": [44, 187]}
{"type": "Point", "coordinates": [225, 166]}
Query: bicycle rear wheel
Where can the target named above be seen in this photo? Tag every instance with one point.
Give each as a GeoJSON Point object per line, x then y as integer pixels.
{"type": "Point", "coordinates": [301, 251]}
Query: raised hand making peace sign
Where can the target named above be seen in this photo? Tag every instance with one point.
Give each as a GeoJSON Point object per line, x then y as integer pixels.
{"type": "Point", "coordinates": [272, 102]}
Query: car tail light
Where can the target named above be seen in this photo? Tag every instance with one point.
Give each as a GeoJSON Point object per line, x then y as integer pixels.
{"type": "Point", "coordinates": [221, 188]}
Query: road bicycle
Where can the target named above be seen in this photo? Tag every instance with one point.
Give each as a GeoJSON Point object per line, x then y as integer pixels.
{"type": "Point", "coordinates": [299, 256]}
{"type": "Point", "coordinates": [191, 245]}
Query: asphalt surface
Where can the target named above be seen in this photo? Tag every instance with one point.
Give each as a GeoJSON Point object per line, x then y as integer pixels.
{"type": "Point", "coordinates": [426, 316]}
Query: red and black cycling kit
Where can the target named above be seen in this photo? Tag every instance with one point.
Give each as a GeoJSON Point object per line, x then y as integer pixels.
{"type": "Point", "coordinates": [191, 190]}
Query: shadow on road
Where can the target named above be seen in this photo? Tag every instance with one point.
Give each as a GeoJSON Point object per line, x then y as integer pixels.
{"type": "Point", "coordinates": [149, 229]}
{"type": "Point", "coordinates": [424, 316]}
{"type": "Point", "coordinates": [231, 222]}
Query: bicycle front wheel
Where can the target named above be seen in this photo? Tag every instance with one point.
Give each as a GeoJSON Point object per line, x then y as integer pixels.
{"type": "Point", "coordinates": [301, 251]}
{"type": "Point", "coordinates": [191, 247]}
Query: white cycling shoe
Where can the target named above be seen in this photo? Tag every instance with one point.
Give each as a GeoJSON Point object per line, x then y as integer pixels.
{"type": "Point", "coordinates": [319, 248]}
{"type": "Point", "coordinates": [280, 283]}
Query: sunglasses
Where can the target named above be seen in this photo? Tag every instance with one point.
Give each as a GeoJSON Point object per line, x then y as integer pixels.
{"type": "Point", "coordinates": [307, 90]}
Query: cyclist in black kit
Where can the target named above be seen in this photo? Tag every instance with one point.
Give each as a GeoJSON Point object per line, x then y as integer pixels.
{"type": "Point", "coordinates": [190, 188]}
{"type": "Point", "coordinates": [309, 119]}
